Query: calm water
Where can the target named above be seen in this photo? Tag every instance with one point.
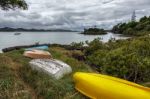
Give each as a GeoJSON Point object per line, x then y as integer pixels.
{"type": "Point", "coordinates": [8, 39]}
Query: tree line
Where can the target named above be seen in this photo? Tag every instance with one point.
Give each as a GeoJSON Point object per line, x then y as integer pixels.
{"type": "Point", "coordinates": [134, 28]}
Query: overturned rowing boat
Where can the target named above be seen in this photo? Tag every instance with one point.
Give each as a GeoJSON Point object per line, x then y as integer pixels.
{"type": "Point", "coordinates": [38, 54]}
{"type": "Point", "coordinates": [40, 47]}
{"type": "Point", "coordinates": [55, 68]}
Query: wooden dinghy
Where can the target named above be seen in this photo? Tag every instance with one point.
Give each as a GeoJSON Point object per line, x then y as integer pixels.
{"type": "Point", "coordinates": [38, 54]}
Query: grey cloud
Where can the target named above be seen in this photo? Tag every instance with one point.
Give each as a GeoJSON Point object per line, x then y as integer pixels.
{"type": "Point", "coordinates": [74, 14]}
{"type": "Point", "coordinates": [107, 1]}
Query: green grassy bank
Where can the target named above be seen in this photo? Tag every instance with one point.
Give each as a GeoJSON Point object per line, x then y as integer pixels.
{"type": "Point", "coordinates": [18, 80]}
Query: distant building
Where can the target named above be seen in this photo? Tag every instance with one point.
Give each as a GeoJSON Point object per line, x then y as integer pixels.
{"type": "Point", "coordinates": [133, 18]}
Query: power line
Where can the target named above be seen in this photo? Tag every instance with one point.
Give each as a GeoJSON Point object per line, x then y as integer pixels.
{"type": "Point", "coordinates": [133, 16]}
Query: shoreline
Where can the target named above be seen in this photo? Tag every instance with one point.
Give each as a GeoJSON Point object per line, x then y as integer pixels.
{"type": "Point", "coordinates": [93, 34]}
{"type": "Point", "coordinates": [1, 51]}
{"type": "Point", "coordinates": [23, 46]}
{"type": "Point", "coordinates": [8, 49]}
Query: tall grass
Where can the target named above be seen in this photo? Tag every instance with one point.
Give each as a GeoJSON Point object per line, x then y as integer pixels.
{"type": "Point", "coordinates": [42, 84]}
{"type": "Point", "coordinates": [10, 86]}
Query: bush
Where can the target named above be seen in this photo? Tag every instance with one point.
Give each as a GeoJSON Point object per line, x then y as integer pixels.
{"type": "Point", "coordinates": [129, 31]}
{"type": "Point", "coordinates": [128, 59]}
{"type": "Point", "coordinates": [94, 45]}
{"type": "Point", "coordinates": [147, 28]}
{"type": "Point", "coordinates": [75, 45]}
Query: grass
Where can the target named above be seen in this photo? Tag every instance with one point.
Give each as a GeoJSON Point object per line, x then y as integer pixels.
{"type": "Point", "coordinates": [17, 79]}
{"type": "Point", "coordinates": [10, 85]}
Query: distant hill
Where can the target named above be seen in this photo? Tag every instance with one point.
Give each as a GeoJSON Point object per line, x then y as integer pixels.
{"type": "Point", "coordinates": [8, 29]}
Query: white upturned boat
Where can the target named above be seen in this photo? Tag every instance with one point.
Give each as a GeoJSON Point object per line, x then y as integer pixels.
{"type": "Point", "coordinates": [55, 68]}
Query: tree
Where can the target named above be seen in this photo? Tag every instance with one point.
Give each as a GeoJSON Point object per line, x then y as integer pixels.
{"type": "Point", "coordinates": [129, 31]}
{"type": "Point", "coordinates": [13, 4]}
{"type": "Point", "coordinates": [139, 28]}
{"type": "Point", "coordinates": [147, 28]}
{"type": "Point", "coordinates": [143, 19]}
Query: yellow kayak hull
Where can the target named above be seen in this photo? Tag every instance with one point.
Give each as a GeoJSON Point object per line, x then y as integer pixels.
{"type": "Point", "coordinates": [97, 86]}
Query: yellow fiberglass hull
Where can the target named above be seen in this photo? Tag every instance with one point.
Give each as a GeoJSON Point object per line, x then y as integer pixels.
{"type": "Point", "coordinates": [97, 86]}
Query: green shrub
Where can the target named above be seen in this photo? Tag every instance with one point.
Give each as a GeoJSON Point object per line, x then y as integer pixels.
{"type": "Point", "coordinates": [128, 59]}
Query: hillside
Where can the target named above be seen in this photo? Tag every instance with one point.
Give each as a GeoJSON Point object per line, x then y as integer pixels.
{"type": "Point", "coordinates": [17, 79]}
{"type": "Point", "coordinates": [128, 59]}
{"type": "Point", "coordinates": [139, 28]}
{"type": "Point", "coordinates": [8, 29]}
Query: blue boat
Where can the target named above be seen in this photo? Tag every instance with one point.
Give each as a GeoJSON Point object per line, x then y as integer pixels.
{"type": "Point", "coordinates": [43, 47]}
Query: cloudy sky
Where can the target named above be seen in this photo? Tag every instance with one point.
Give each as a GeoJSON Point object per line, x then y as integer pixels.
{"type": "Point", "coordinates": [74, 14]}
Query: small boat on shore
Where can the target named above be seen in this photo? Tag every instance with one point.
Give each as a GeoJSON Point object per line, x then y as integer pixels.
{"type": "Point", "coordinates": [97, 86]}
{"type": "Point", "coordinates": [38, 54]}
{"type": "Point", "coordinates": [54, 68]}
{"type": "Point", "coordinates": [17, 33]}
{"type": "Point", "coordinates": [43, 47]}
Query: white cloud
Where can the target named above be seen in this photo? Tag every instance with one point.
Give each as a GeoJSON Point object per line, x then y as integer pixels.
{"type": "Point", "coordinates": [74, 14]}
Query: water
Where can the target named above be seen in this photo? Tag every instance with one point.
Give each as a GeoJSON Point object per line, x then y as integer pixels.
{"type": "Point", "coordinates": [8, 39]}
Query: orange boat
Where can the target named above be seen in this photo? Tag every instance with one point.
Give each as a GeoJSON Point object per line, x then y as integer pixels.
{"type": "Point", "coordinates": [38, 54]}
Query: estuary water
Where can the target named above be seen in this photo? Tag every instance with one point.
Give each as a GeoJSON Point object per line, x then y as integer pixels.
{"type": "Point", "coordinates": [9, 39]}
